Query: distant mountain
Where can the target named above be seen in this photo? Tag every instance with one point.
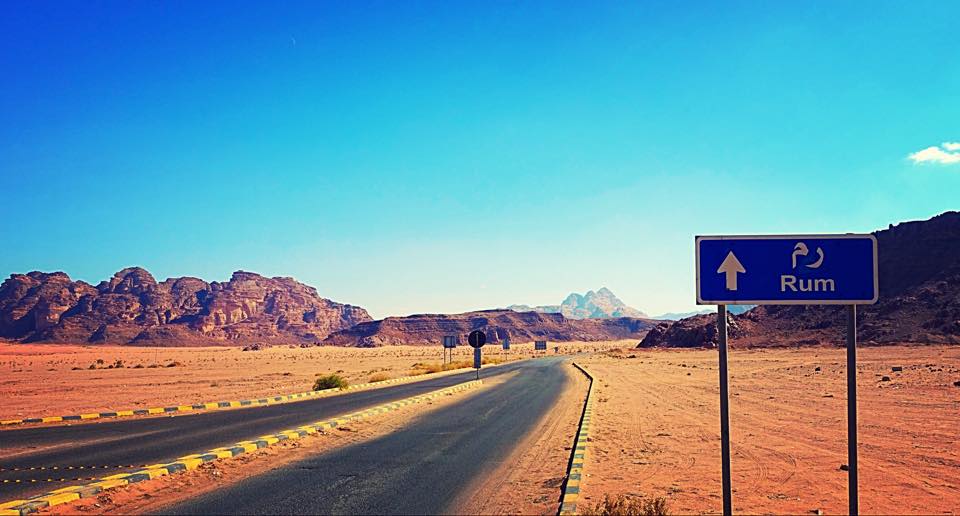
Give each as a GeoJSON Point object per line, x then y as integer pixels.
{"type": "Point", "coordinates": [429, 329]}
{"type": "Point", "coordinates": [602, 304]}
{"type": "Point", "coordinates": [133, 308]}
{"type": "Point", "coordinates": [919, 272]}
{"type": "Point", "coordinates": [676, 316]}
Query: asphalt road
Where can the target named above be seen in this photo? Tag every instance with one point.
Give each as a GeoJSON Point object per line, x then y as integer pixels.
{"type": "Point", "coordinates": [121, 443]}
{"type": "Point", "coordinates": [420, 469]}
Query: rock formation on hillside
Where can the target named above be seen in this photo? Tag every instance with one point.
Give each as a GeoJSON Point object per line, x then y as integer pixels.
{"type": "Point", "coordinates": [602, 304]}
{"type": "Point", "coordinates": [132, 307]}
{"type": "Point", "coordinates": [519, 326]}
{"type": "Point", "coordinates": [692, 332]}
{"type": "Point", "coordinates": [919, 270]}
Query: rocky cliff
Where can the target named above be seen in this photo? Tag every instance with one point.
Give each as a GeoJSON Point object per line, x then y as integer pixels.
{"type": "Point", "coordinates": [498, 324]}
{"type": "Point", "coordinates": [919, 271]}
{"type": "Point", "coordinates": [133, 308]}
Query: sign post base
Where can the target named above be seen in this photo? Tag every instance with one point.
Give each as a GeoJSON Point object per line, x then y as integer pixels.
{"type": "Point", "coordinates": [724, 411]}
{"type": "Point", "coordinates": [852, 409]}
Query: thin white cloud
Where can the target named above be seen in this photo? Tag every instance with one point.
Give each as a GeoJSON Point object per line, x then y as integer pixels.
{"type": "Point", "coordinates": [946, 154]}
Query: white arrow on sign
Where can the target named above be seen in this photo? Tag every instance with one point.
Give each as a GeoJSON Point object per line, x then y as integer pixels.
{"type": "Point", "coordinates": [731, 266]}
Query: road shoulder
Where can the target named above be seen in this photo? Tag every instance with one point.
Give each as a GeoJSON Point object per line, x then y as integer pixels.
{"type": "Point", "coordinates": [529, 479]}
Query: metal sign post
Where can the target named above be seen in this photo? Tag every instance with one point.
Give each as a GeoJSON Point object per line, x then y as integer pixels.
{"type": "Point", "coordinates": [854, 498]}
{"type": "Point", "coordinates": [789, 270]}
{"type": "Point", "coordinates": [724, 411]}
{"type": "Point", "coordinates": [477, 339]}
{"type": "Point", "coordinates": [449, 342]}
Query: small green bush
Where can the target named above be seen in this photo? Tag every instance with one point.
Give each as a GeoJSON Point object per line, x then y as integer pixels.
{"type": "Point", "coordinates": [330, 381]}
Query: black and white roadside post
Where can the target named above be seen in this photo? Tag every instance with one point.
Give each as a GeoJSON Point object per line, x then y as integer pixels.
{"type": "Point", "coordinates": [788, 270]}
{"type": "Point", "coordinates": [477, 339]}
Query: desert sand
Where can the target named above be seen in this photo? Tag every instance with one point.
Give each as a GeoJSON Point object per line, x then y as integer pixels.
{"type": "Point", "coordinates": [53, 380]}
{"type": "Point", "coordinates": [655, 432]}
{"type": "Point", "coordinates": [656, 429]}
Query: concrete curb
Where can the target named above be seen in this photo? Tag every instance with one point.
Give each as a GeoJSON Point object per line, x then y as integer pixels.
{"type": "Point", "coordinates": [571, 488]}
{"type": "Point", "coordinates": [216, 405]}
{"type": "Point", "coordinates": [193, 461]}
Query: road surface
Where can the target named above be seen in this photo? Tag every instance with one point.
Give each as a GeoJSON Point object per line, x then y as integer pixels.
{"type": "Point", "coordinates": [155, 440]}
{"type": "Point", "coordinates": [427, 467]}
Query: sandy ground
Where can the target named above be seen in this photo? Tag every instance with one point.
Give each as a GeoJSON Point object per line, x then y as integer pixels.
{"type": "Point", "coordinates": [152, 496]}
{"type": "Point", "coordinates": [53, 380]}
{"type": "Point", "coordinates": [656, 429]}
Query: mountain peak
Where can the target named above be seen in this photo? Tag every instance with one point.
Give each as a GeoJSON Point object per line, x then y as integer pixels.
{"type": "Point", "coordinates": [600, 304]}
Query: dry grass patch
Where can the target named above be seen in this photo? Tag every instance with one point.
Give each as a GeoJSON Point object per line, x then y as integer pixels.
{"type": "Point", "coordinates": [378, 377]}
{"type": "Point", "coordinates": [623, 506]}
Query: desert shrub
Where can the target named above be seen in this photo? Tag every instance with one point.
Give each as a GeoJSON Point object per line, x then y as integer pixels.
{"type": "Point", "coordinates": [378, 377]}
{"type": "Point", "coordinates": [330, 381]}
{"type": "Point", "coordinates": [99, 361]}
{"type": "Point", "coordinates": [623, 506]}
{"type": "Point", "coordinates": [175, 364]}
{"type": "Point", "coordinates": [118, 364]}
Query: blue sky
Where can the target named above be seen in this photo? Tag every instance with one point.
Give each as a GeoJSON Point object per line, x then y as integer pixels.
{"type": "Point", "coordinates": [439, 157]}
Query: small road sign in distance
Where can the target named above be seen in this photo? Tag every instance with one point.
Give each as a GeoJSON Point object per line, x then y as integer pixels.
{"type": "Point", "coordinates": [787, 269]}
{"type": "Point", "coordinates": [477, 338]}
{"type": "Point", "coordinates": [506, 343]}
{"type": "Point", "coordinates": [449, 341]}
{"type": "Point", "coordinates": [540, 345]}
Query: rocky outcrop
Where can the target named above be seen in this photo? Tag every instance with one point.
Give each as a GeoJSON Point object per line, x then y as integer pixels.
{"type": "Point", "coordinates": [919, 272]}
{"type": "Point", "coordinates": [498, 324]}
{"type": "Point", "coordinates": [602, 304]}
{"type": "Point", "coordinates": [693, 332]}
{"type": "Point", "coordinates": [132, 307]}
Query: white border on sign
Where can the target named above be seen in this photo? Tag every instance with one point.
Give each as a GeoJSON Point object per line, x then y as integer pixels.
{"type": "Point", "coordinates": [843, 236]}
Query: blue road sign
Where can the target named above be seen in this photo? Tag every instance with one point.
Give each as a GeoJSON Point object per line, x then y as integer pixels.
{"type": "Point", "coordinates": [787, 269]}
{"type": "Point", "coordinates": [540, 345]}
